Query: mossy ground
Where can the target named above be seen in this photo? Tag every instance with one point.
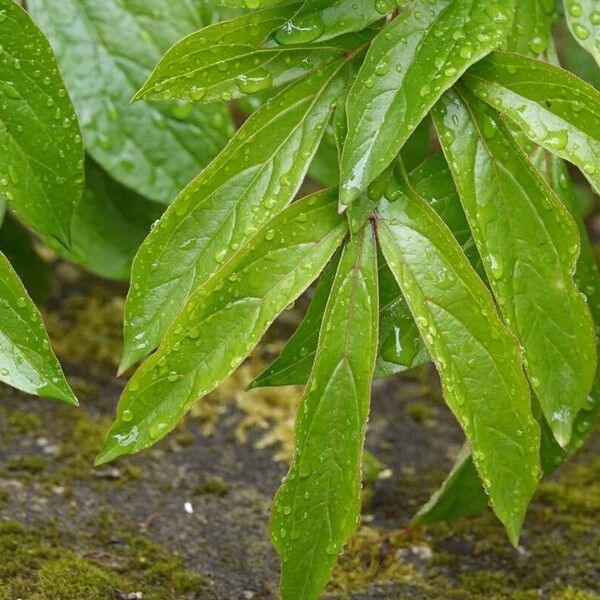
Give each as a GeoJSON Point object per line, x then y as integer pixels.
{"type": "Point", "coordinates": [188, 518]}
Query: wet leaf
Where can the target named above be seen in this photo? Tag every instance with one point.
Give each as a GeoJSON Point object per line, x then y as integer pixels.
{"type": "Point", "coordinates": [583, 18]}
{"type": "Point", "coordinates": [531, 27]}
{"type": "Point", "coordinates": [529, 246]}
{"type": "Point", "coordinates": [477, 358]}
{"type": "Point", "coordinates": [109, 225]}
{"type": "Point", "coordinates": [255, 177]}
{"type": "Point", "coordinates": [553, 107]}
{"type": "Point", "coordinates": [319, 20]}
{"type": "Point", "coordinates": [462, 493]}
{"type": "Point", "coordinates": [224, 320]}
{"type": "Point", "coordinates": [26, 359]}
{"type": "Point", "coordinates": [409, 65]}
{"type": "Point", "coordinates": [41, 155]}
{"type": "Point", "coordinates": [294, 364]}
{"type": "Point", "coordinates": [229, 60]}
{"type": "Point", "coordinates": [317, 507]}
{"type": "Point", "coordinates": [105, 51]}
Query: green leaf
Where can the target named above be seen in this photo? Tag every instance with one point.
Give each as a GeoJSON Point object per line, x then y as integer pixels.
{"type": "Point", "coordinates": [228, 60]}
{"type": "Point", "coordinates": [583, 18]}
{"type": "Point", "coordinates": [553, 107]}
{"type": "Point", "coordinates": [411, 62]}
{"type": "Point", "coordinates": [252, 4]}
{"type": "Point", "coordinates": [587, 278]}
{"type": "Point", "coordinates": [320, 20]}
{"type": "Point", "coordinates": [255, 177]}
{"type": "Point", "coordinates": [109, 225]}
{"type": "Point", "coordinates": [294, 364]}
{"type": "Point", "coordinates": [531, 27]}
{"type": "Point", "coordinates": [400, 343]}
{"type": "Point", "coordinates": [26, 359]}
{"type": "Point", "coordinates": [16, 244]}
{"type": "Point", "coordinates": [105, 51]}
{"type": "Point", "coordinates": [529, 245]}
{"type": "Point", "coordinates": [317, 508]}
{"type": "Point", "coordinates": [477, 358]}
{"type": "Point", "coordinates": [41, 155]}
{"type": "Point", "coordinates": [223, 321]}
{"type": "Point", "coordinates": [462, 493]}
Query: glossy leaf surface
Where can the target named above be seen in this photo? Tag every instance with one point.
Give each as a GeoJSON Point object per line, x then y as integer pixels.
{"type": "Point", "coordinates": [462, 493]}
{"type": "Point", "coordinates": [26, 359]}
{"type": "Point", "coordinates": [322, 19]}
{"type": "Point", "coordinates": [317, 507]}
{"type": "Point", "coordinates": [224, 320]}
{"type": "Point", "coordinates": [409, 65]}
{"type": "Point", "coordinates": [531, 27]}
{"type": "Point", "coordinates": [294, 364]}
{"type": "Point", "coordinates": [477, 358]}
{"type": "Point", "coordinates": [229, 60]}
{"type": "Point", "coordinates": [529, 246]}
{"type": "Point", "coordinates": [213, 65]}
{"type": "Point", "coordinates": [257, 175]}
{"type": "Point", "coordinates": [41, 155]}
{"type": "Point", "coordinates": [106, 51]}
{"type": "Point", "coordinates": [583, 17]}
{"type": "Point", "coordinates": [554, 108]}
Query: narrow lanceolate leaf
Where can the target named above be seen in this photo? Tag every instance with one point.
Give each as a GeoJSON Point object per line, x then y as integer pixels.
{"type": "Point", "coordinates": [587, 278]}
{"type": "Point", "coordinates": [106, 51]}
{"type": "Point", "coordinates": [225, 319]}
{"type": "Point", "coordinates": [477, 358]}
{"type": "Point", "coordinates": [531, 27]}
{"type": "Point", "coordinates": [529, 246]}
{"type": "Point", "coordinates": [41, 154]}
{"type": "Point", "coordinates": [410, 64]}
{"type": "Point", "coordinates": [583, 17]}
{"type": "Point", "coordinates": [553, 107]}
{"type": "Point", "coordinates": [257, 175]}
{"type": "Point", "coordinates": [318, 506]}
{"type": "Point", "coordinates": [400, 343]}
{"type": "Point", "coordinates": [228, 60]}
{"type": "Point", "coordinates": [462, 493]}
{"type": "Point", "coordinates": [26, 359]}
{"type": "Point", "coordinates": [109, 225]}
{"type": "Point", "coordinates": [319, 20]}
{"type": "Point", "coordinates": [294, 364]}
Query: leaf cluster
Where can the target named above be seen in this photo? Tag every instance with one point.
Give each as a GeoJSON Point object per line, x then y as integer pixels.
{"type": "Point", "coordinates": [451, 230]}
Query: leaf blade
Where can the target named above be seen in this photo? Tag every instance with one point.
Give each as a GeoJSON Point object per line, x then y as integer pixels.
{"type": "Point", "coordinates": [476, 356]}
{"type": "Point", "coordinates": [235, 308]}
{"type": "Point", "coordinates": [531, 93]}
{"type": "Point", "coordinates": [405, 72]}
{"type": "Point", "coordinates": [41, 154]}
{"type": "Point", "coordinates": [105, 51]}
{"type": "Point", "coordinates": [529, 245]}
{"type": "Point", "coordinates": [253, 178]}
{"type": "Point", "coordinates": [26, 359]}
{"type": "Point", "coordinates": [324, 482]}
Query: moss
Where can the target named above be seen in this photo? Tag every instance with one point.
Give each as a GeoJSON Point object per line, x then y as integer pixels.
{"type": "Point", "coordinates": [24, 422]}
{"type": "Point", "coordinates": [31, 464]}
{"type": "Point", "coordinates": [213, 485]}
{"type": "Point", "coordinates": [471, 559]}
{"type": "Point", "coordinates": [39, 565]}
{"type": "Point", "coordinates": [419, 412]}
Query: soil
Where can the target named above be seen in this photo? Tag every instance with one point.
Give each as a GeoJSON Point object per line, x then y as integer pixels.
{"type": "Point", "coordinates": [188, 518]}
